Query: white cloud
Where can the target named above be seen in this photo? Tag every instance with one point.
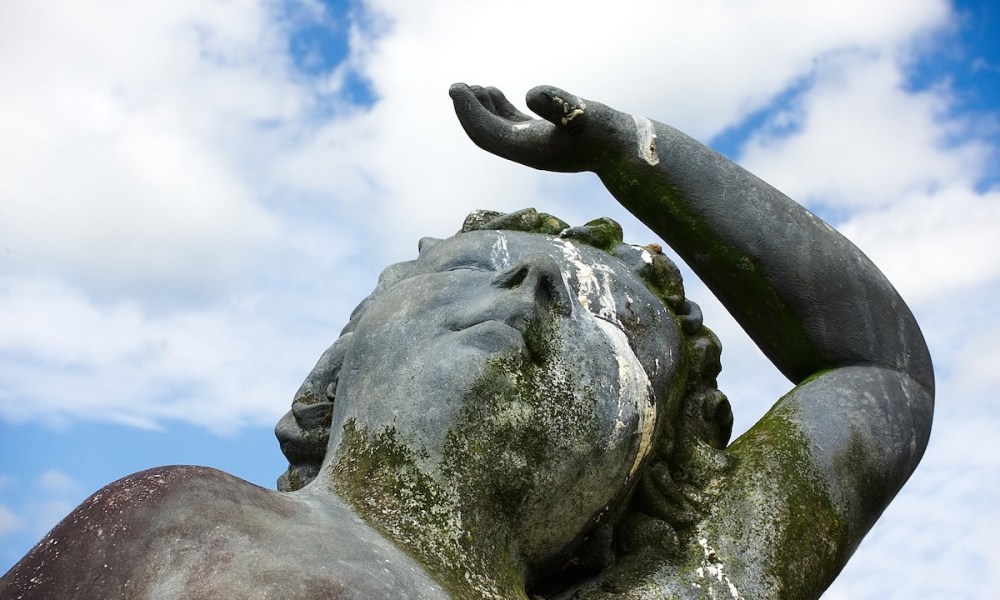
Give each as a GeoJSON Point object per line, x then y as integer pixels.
{"type": "Point", "coordinates": [700, 65]}
{"type": "Point", "coordinates": [860, 139]}
{"type": "Point", "coordinates": [125, 129]}
{"type": "Point", "coordinates": [152, 267]}
{"type": "Point", "coordinates": [936, 244]}
{"type": "Point", "coordinates": [9, 522]}
{"type": "Point", "coordinates": [37, 505]}
{"type": "Point", "coordinates": [186, 219]}
{"type": "Point", "coordinates": [900, 172]}
{"type": "Point", "coordinates": [56, 481]}
{"type": "Point", "coordinates": [175, 151]}
{"type": "Point", "coordinates": [54, 495]}
{"type": "Point", "coordinates": [169, 181]}
{"type": "Point", "coordinates": [708, 71]}
{"type": "Point", "coordinates": [68, 358]}
{"type": "Point", "coordinates": [945, 520]}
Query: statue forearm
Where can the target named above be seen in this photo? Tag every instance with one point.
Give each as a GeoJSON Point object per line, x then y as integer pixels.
{"type": "Point", "coordinates": [808, 297]}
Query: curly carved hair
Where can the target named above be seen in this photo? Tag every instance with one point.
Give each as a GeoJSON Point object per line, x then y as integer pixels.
{"type": "Point", "coordinates": [668, 496]}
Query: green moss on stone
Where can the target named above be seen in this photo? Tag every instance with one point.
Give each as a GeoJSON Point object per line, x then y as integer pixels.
{"type": "Point", "coordinates": [379, 475]}
{"type": "Point", "coordinates": [804, 536]}
{"type": "Point", "coordinates": [455, 512]}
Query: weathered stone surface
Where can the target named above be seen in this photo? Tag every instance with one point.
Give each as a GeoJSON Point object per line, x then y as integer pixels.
{"type": "Point", "coordinates": [529, 409]}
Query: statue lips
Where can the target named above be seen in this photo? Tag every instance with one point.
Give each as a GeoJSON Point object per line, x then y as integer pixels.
{"type": "Point", "coordinates": [491, 335]}
{"type": "Point", "coordinates": [502, 327]}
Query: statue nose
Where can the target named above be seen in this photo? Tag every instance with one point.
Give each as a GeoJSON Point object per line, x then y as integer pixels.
{"type": "Point", "coordinates": [539, 277]}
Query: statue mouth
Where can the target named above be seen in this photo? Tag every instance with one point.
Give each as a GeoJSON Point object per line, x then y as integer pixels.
{"type": "Point", "coordinates": [490, 335]}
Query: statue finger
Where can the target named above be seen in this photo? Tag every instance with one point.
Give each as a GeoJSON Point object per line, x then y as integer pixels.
{"type": "Point", "coordinates": [504, 108]}
{"type": "Point", "coordinates": [475, 117]}
{"type": "Point", "coordinates": [485, 98]}
{"type": "Point", "coordinates": [487, 129]}
{"type": "Point", "coordinates": [470, 101]}
{"type": "Point", "coordinates": [559, 107]}
{"type": "Point", "coordinates": [534, 142]}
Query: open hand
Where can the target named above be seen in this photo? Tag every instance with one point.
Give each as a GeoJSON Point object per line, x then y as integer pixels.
{"type": "Point", "coordinates": [571, 136]}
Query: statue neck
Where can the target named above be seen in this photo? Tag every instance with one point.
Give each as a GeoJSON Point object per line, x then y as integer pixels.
{"type": "Point", "coordinates": [466, 546]}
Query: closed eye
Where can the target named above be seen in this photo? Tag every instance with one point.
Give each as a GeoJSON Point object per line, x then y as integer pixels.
{"type": "Point", "coordinates": [465, 268]}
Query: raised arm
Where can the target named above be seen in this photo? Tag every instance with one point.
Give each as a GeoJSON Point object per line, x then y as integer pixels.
{"type": "Point", "coordinates": [811, 300]}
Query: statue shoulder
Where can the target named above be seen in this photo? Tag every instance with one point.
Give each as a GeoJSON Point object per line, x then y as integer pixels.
{"type": "Point", "coordinates": [183, 531]}
{"type": "Point", "coordinates": [775, 529]}
{"type": "Point", "coordinates": [772, 529]}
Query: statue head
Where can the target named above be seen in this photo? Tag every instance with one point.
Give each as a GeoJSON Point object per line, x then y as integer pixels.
{"type": "Point", "coordinates": [553, 378]}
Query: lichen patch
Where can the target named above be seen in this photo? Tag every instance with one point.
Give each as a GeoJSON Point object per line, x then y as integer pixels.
{"type": "Point", "coordinates": [593, 283]}
{"type": "Point", "coordinates": [712, 573]}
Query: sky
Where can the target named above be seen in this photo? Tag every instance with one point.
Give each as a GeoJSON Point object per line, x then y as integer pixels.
{"type": "Point", "coordinates": [195, 194]}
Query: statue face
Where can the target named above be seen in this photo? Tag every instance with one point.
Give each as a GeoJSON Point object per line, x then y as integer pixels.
{"type": "Point", "coordinates": [505, 363]}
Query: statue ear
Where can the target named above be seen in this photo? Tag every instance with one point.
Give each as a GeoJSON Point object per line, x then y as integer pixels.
{"type": "Point", "coordinates": [708, 417]}
{"type": "Point", "coordinates": [718, 419]}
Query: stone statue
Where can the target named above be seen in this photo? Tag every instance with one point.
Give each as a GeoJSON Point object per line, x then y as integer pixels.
{"type": "Point", "coordinates": [529, 410]}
